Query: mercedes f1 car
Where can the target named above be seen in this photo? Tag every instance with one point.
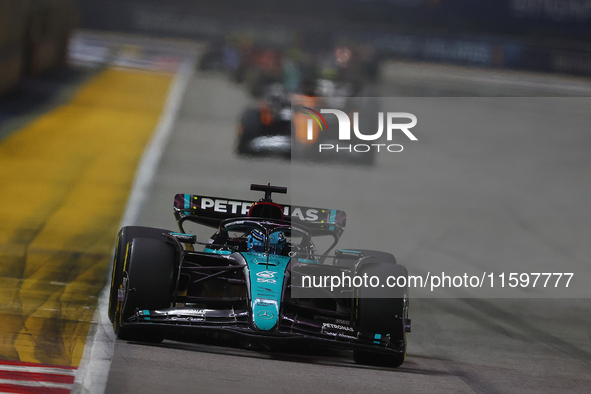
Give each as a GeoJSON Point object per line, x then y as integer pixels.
{"type": "Point", "coordinates": [247, 280]}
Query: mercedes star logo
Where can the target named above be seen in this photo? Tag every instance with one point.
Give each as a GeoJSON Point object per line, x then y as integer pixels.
{"type": "Point", "coordinates": [264, 314]}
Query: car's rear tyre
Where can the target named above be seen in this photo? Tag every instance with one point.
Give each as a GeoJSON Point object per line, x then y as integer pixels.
{"type": "Point", "coordinates": [126, 234]}
{"type": "Point", "coordinates": [383, 316]}
{"type": "Point", "coordinates": [251, 128]}
{"type": "Point", "coordinates": [148, 282]}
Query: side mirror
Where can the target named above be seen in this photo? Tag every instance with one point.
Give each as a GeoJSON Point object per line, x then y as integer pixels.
{"type": "Point", "coordinates": [185, 238]}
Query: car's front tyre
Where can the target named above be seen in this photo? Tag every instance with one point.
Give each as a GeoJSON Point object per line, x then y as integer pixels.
{"type": "Point", "coordinates": [385, 317]}
{"type": "Point", "coordinates": [147, 283]}
{"type": "Point", "coordinates": [125, 236]}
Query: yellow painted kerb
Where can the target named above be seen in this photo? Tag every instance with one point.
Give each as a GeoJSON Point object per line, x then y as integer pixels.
{"type": "Point", "coordinates": [64, 183]}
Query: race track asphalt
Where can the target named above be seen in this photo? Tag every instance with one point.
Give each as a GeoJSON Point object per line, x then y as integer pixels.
{"type": "Point", "coordinates": [452, 199]}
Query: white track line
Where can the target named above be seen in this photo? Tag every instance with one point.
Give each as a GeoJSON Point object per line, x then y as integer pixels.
{"type": "Point", "coordinates": [93, 372]}
{"type": "Point", "coordinates": [40, 369]}
{"type": "Point", "coordinates": [32, 383]}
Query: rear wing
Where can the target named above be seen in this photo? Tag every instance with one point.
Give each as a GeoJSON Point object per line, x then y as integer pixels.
{"type": "Point", "coordinates": [210, 211]}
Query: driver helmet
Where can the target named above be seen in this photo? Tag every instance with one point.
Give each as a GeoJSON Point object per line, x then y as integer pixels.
{"type": "Point", "coordinates": [256, 242]}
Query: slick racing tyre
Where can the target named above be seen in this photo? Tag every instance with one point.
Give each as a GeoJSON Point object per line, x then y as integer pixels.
{"type": "Point", "coordinates": [251, 128]}
{"type": "Point", "coordinates": [383, 316]}
{"type": "Point", "coordinates": [148, 281]}
{"type": "Point", "coordinates": [126, 234]}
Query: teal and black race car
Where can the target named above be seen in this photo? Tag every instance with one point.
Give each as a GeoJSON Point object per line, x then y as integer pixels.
{"type": "Point", "coordinates": [260, 277]}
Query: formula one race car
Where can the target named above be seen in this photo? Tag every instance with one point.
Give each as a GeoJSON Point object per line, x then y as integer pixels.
{"type": "Point", "coordinates": [266, 129]}
{"type": "Point", "coordinates": [248, 280]}
{"type": "Point", "coordinates": [279, 126]}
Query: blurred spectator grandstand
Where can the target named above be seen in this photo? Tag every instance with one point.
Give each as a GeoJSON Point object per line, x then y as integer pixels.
{"type": "Point", "coordinates": [34, 38]}
{"type": "Point", "coordinates": [545, 35]}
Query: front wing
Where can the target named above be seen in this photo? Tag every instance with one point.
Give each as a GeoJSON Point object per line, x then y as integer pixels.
{"type": "Point", "coordinates": [290, 327]}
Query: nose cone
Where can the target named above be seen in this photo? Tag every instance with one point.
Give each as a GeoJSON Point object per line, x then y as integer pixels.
{"type": "Point", "coordinates": [265, 314]}
{"type": "Point", "coordinates": [267, 273]}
